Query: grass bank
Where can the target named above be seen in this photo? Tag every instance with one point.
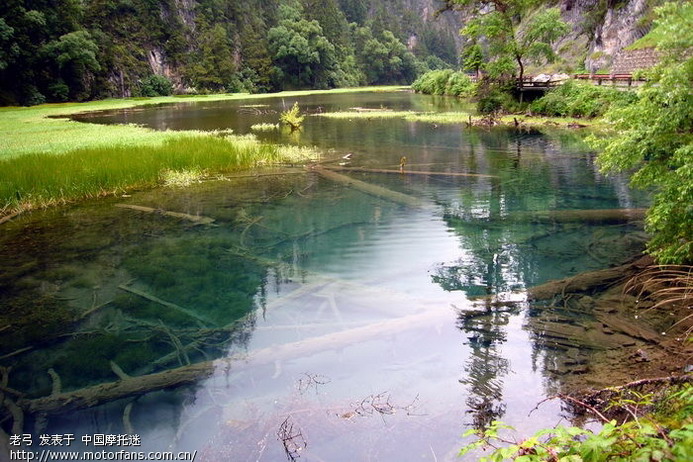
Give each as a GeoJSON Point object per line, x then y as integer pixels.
{"type": "Point", "coordinates": [462, 117]}
{"type": "Point", "coordinates": [43, 128]}
{"type": "Point", "coordinates": [47, 159]}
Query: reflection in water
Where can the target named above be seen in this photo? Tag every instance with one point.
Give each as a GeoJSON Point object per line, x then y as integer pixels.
{"type": "Point", "coordinates": [297, 277]}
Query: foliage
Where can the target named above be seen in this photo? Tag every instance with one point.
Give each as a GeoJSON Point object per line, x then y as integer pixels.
{"type": "Point", "coordinates": [495, 97]}
{"type": "Point", "coordinates": [38, 180]}
{"type": "Point", "coordinates": [578, 99]}
{"type": "Point", "coordinates": [473, 58]}
{"type": "Point", "coordinates": [655, 140]}
{"type": "Point", "coordinates": [444, 82]}
{"type": "Point", "coordinates": [214, 67]}
{"type": "Point", "coordinates": [301, 52]}
{"type": "Point", "coordinates": [292, 117]}
{"type": "Point", "coordinates": [643, 439]}
{"type": "Point", "coordinates": [383, 58]}
{"type": "Point", "coordinates": [156, 85]}
{"type": "Point", "coordinates": [514, 33]}
{"type": "Point", "coordinates": [104, 48]}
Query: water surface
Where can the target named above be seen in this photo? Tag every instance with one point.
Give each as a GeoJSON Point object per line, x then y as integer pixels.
{"type": "Point", "coordinates": [344, 326]}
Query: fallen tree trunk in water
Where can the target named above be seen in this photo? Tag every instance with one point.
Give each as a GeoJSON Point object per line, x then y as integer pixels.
{"type": "Point", "coordinates": [411, 172]}
{"type": "Point", "coordinates": [190, 374]}
{"type": "Point", "coordinates": [588, 282]}
{"type": "Point", "coordinates": [196, 219]}
{"type": "Point", "coordinates": [373, 190]}
{"type": "Point", "coordinates": [204, 321]}
{"type": "Point", "coordinates": [597, 216]}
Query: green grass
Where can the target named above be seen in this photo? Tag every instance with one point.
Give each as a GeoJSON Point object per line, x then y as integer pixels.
{"type": "Point", "coordinates": [457, 118]}
{"type": "Point", "coordinates": [39, 180]}
{"type": "Point", "coordinates": [35, 129]}
{"type": "Point", "coordinates": [47, 159]}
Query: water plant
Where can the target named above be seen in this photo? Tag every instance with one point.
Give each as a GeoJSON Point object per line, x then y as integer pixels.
{"type": "Point", "coordinates": [292, 117]}
{"type": "Point", "coordinates": [264, 127]}
{"type": "Point", "coordinates": [182, 177]}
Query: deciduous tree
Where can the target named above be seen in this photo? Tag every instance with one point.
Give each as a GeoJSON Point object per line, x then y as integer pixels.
{"type": "Point", "coordinates": [655, 138]}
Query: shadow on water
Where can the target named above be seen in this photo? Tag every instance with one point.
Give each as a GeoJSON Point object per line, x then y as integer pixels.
{"type": "Point", "coordinates": [302, 316]}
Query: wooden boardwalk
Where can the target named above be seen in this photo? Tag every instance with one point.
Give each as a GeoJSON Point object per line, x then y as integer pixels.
{"type": "Point", "coordinates": [527, 84]}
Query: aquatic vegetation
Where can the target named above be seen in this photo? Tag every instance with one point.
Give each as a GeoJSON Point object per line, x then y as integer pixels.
{"type": "Point", "coordinates": [292, 117]}
{"type": "Point", "coordinates": [458, 118]}
{"type": "Point", "coordinates": [182, 177]}
{"type": "Point", "coordinates": [264, 127]}
{"type": "Point", "coordinates": [370, 114]}
{"type": "Point", "coordinates": [39, 180]}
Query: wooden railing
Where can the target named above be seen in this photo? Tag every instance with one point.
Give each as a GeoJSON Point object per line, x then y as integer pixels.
{"type": "Point", "coordinates": [614, 79]}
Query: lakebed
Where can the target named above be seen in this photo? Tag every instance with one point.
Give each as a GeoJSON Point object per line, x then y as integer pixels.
{"type": "Point", "coordinates": [303, 311]}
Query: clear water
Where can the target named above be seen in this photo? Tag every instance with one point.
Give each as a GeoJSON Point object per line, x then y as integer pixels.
{"type": "Point", "coordinates": [348, 316]}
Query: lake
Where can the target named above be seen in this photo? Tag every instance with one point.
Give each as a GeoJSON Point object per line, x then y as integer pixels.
{"type": "Point", "coordinates": [300, 314]}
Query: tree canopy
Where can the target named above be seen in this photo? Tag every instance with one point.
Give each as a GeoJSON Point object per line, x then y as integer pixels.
{"type": "Point", "coordinates": [512, 31]}
{"type": "Point", "coordinates": [655, 138]}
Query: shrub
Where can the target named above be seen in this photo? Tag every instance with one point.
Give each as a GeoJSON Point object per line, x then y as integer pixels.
{"type": "Point", "coordinates": [444, 82]}
{"type": "Point", "coordinates": [156, 85]}
{"type": "Point", "coordinates": [496, 96]}
{"type": "Point", "coordinates": [577, 99]}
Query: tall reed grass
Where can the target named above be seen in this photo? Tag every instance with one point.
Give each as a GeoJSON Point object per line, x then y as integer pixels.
{"type": "Point", "coordinates": [39, 180]}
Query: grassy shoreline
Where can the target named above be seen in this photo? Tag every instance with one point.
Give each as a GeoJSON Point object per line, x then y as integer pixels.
{"type": "Point", "coordinates": [46, 128]}
{"type": "Point", "coordinates": [463, 118]}
{"type": "Point", "coordinates": [47, 159]}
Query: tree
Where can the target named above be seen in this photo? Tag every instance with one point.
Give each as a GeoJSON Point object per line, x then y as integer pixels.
{"type": "Point", "coordinates": [214, 67]}
{"type": "Point", "coordinates": [75, 54]}
{"type": "Point", "coordinates": [473, 58]}
{"type": "Point", "coordinates": [383, 59]}
{"type": "Point", "coordinates": [655, 138]}
{"type": "Point", "coordinates": [513, 31]}
{"type": "Point", "coordinates": [301, 51]}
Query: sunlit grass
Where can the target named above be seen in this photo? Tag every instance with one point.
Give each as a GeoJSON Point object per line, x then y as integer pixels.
{"type": "Point", "coordinates": [264, 127]}
{"type": "Point", "coordinates": [39, 180]}
{"type": "Point", "coordinates": [184, 177]}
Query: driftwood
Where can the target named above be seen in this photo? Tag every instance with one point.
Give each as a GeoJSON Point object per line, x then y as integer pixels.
{"type": "Point", "coordinates": [10, 216]}
{"type": "Point", "coordinates": [373, 190]}
{"type": "Point", "coordinates": [588, 282]}
{"type": "Point", "coordinates": [411, 172]}
{"type": "Point", "coordinates": [190, 374]}
{"type": "Point", "coordinates": [173, 306]}
{"type": "Point", "coordinates": [196, 219]}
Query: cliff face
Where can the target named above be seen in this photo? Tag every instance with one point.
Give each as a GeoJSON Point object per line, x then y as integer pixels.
{"type": "Point", "coordinates": [600, 30]}
{"type": "Point", "coordinates": [622, 25]}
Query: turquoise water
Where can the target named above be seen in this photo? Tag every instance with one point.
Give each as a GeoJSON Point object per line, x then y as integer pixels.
{"type": "Point", "coordinates": [349, 316]}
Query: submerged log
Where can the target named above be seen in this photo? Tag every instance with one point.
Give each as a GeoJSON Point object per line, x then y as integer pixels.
{"type": "Point", "coordinates": [190, 374]}
{"type": "Point", "coordinates": [597, 216]}
{"type": "Point", "coordinates": [588, 282]}
{"type": "Point", "coordinates": [373, 190]}
{"type": "Point", "coordinates": [196, 219]}
{"type": "Point", "coordinates": [411, 172]}
{"type": "Point", "coordinates": [170, 305]}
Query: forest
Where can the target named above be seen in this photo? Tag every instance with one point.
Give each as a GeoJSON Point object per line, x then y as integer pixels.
{"type": "Point", "coordinates": [70, 50]}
